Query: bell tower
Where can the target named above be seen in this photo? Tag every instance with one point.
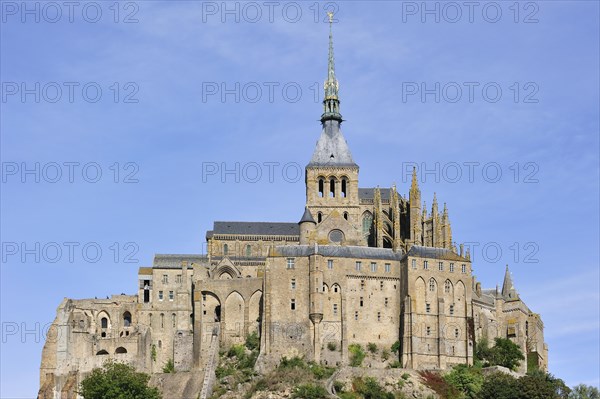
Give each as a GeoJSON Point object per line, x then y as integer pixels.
{"type": "Point", "coordinates": [331, 175]}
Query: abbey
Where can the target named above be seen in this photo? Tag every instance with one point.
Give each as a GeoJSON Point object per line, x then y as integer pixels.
{"type": "Point", "coordinates": [362, 265]}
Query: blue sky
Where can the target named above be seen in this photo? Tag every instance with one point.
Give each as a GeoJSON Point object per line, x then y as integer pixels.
{"type": "Point", "coordinates": [547, 53]}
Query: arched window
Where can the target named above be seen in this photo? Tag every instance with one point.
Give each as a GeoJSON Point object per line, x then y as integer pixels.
{"type": "Point", "coordinates": [120, 349]}
{"type": "Point", "coordinates": [346, 215]}
{"type": "Point", "coordinates": [104, 322]}
{"type": "Point", "coordinates": [225, 249]}
{"type": "Point", "coordinates": [344, 187]}
{"type": "Point", "coordinates": [126, 319]}
{"type": "Point", "coordinates": [447, 287]}
{"type": "Point", "coordinates": [162, 320]}
{"type": "Point", "coordinates": [321, 186]}
{"type": "Point", "coordinates": [366, 223]}
{"type": "Point", "coordinates": [432, 285]}
{"type": "Point", "coordinates": [248, 250]}
{"type": "Point", "coordinates": [332, 187]}
{"type": "Point", "coordinates": [319, 217]}
{"type": "Point", "coordinates": [174, 320]}
{"type": "Point", "coordinates": [101, 352]}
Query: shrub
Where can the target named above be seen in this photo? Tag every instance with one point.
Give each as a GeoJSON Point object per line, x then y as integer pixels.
{"type": "Point", "coordinates": [338, 386]}
{"type": "Point", "coordinates": [504, 353]}
{"type": "Point", "coordinates": [385, 355]}
{"type": "Point", "coordinates": [332, 346]}
{"type": "Point", "coordinates": [369, 388]}
{"type": "Point", "coordinates": [437, 383]}
{"type": "Point", "coordinates": [116, 381]}
{"type": "Point", "coordinates": [169, 367]}
{"type": "Point", "coordinates": [357, 355]}
{"type": "Point", "coordinates": [236, 351]}
{"type": "Point", "coordinates": [320, 372]}
{"type": "Point", "coordinates": [405, 376]}
{"type": "Point", "coordinates": [396, 347]}
{"type": "Point", "coordinates": [153, 353]}
{"type": "Point", "coordinates": [371, 347]}
{"type": "Point", "coordinates": [295, 362]}
{"type": "Point", "coordinates": [309, 391]}
{"type": "Point", "coordinates": [252, 341]}
{"type": "Point", "coordinates": [499, 386]}
{"type": "Point", "coordinates": [395, 365]}
{"type": "Point", "coordinates": [467, 380]}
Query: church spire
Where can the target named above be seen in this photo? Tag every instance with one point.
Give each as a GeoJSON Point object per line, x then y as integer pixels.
{"type": "Point", "coordinates": [331, 103]}
{"type": "Point", "coordinates": [508, 289]}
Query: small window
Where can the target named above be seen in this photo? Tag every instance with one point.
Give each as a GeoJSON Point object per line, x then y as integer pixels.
{"type": "Point", "coordinates": [248, 250]}
{"type": "Point", "coordinates": [388, 267]}
{"type": "Point", "coordinates": [335, 309]}
{"type": "Point", "coordinates": [362, 284]}
{"type": "Point", "coordinates": [104, 322]}
{"type": "Point", "coordinates": [414, 263]}
{"type": "Point", "coordinates": [447, 287]}
{"type": "Point", "coordinates": [162, 320]}
{"type": "Point", "coordinates": [386, 302]}
{"type": "Point", "coordinates": [425, 265]}
{"type": "Point", "coordinates": [225, 249]}
{"type": "Point", "coordinates": [464, 268]}
{"type": "Point", "coordinates": [165, 279]}
{"type": "Point", "coordinates": [456, 333]}
{"type": "Point", "coordinates": [126, 319]}
{"type": "Point", "coordinates": [432, 285]}
{"type": "Point", "coordinates": [160, 295]}
{"type": "Point", "coordinates": [451, 267]}
{"type": "Point", "coordinates": [373, 267]}
{"type": "Point", "coordinates": [346, 215]}
{"type": "Point", "coordinates": [451, 310]}
{"type": "Point", "coordinates": [293, 284]}
{"type": "Point", "coordinates": [290, 263]}
{"type": "Point", "coordinates": [428, 330]}
{"type": "Point", "coordinates": [358, 266]}
{"type": "Point", "coordinates": [321, 187]}
{"type": "Point", "coordinates": [427, 308]}
{"type": "Point", "coordinates": [441, 266]}
{"type": "Point", "coordinates": [355, 315]}
{"type": "Point", "coordinates": [174, 320]}
{"type": "Point", "coordinates": [344, 189]}
{"type": "Point", "coordinates": [293, 304]}
{"type": "Point", "coordinates": [204, 297]}
{"type": "Point", "coordinates": [361, 302]}
{"type": "Point", "coordinates": [378, 316]}
{"type": "Point", "coordinates": [330, 264]}
{"type": "Point", "coordinates": [381, 285]}
{"type": "Point", "coordinates": [179, 279]}
{"type": "Point", "coordinates": [335, 288]}
{"type": "Point", "coordinates": [171, 295]}
{"type": "Point", "coordinates": [319, 217]}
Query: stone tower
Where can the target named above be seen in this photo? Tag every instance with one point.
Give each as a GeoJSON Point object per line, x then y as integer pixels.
{"type": "Point", "coordinates": [332, 174]}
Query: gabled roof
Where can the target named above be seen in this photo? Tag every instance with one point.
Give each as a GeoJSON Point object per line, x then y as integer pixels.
{"type": "Point", "coordinates": [369, 193]}
{"type": "Point", "coordinates": [337, 251]}
{"type": "Point", "coordinates": [173, 261]}
{"type": "Point", "coordinates": [436, 253]}
{"type": "Point", "coordinates": [255, 228]}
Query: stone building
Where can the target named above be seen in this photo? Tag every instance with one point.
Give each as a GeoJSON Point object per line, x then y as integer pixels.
{"type": "Point", "coordinates": [363, 265]}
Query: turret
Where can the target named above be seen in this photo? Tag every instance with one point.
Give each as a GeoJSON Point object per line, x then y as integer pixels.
{"type": "Point", "coordinates": [307, 227]}
{"type": "Point", "coordinates": [508, 289]}
{"type": "Point", "coordinates": [416, 223]}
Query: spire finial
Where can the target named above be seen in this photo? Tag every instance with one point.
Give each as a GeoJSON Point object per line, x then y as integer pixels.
{"type": "Point", "coordinates": [331, 103]}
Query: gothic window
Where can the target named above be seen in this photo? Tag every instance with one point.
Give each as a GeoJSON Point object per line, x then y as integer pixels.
{"type": "Point", "coordinates": [346, 215]}
{"type": "Point", "coordinates": [104, 322]}
{"type": "Point", "coordinates": [321, 186]}
{"type": "Point", "coordinates": [447, 287]}
{"type": "Point", "coordinates": [344, 187]}
{"type": "Point", "coordinates": [432, 285]}
{"type": "Point", "coordinates": [225, 249]}
{"type": "Point", "coordinates": [367, 221]}
{"type": "Point", "coordinates": [319, 217]}
{"type": "Point", "coordinates": [248, 250]}
{"type": "Point", "coordinates": [126, 319]}
{"type": "Point", "coordinates": [332, 188]}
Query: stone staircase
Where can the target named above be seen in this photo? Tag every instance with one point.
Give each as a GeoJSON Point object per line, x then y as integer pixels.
{"type": "Point", "coordinates": [211, 364]}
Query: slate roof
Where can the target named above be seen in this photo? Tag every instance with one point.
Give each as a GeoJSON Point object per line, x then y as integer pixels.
{"type": "Point", "coordinates": [436, 253]}
{"type": "Point", "coordinates": [337, 251]}
{"type": "Point", "coordinates": [369, 193]}
{"type": "Point", "coordinates": [255, 228]}
{"type": "Point", "coordinates": [307, 217]}
{"type": "Point", "coordinates": [332, 148]}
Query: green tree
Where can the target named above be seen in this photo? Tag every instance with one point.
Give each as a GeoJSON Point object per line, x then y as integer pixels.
{"type": "Point", "coordinates": [540, 385]}
{"type": "Point", "coordinates": [117, 381]}
{"type": "Point", "coordinates": [505, 353]}
{"type": "Point", "coordinates": [499, 386]}
{"type": "Point", "coordinates": [582, 391]}
{"type": "Point", "coordinates": [467, 380]}
{"type": "Point", "coordinates": [169, 367]}
{"type": "Point", "coordinates": [357, 354]}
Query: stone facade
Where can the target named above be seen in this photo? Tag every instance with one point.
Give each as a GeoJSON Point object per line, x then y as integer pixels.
{"type": "Point", "coordinates": [363, 265]}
